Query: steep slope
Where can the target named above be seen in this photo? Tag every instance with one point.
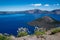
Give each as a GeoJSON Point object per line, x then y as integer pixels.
{"type": "Point", "coordinates": [45, 22]}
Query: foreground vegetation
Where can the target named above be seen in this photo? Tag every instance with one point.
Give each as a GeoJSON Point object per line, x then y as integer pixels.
{"type": "Point", "coordinates": [55, 30]}
{"type": "Point", "coordinates": [4, 37]}
{"type": "Point", "coordinates": [23, 32]}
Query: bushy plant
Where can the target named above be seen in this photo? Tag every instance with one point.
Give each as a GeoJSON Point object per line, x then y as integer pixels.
{"type": "Point", "coordinates": [56, 30]}
{"type": "Point", "coordinates": [21, 34]}
{"type": "Point", "coordinates": [37, 33]}
{"type": "Point", "coordinates": [2, 37]}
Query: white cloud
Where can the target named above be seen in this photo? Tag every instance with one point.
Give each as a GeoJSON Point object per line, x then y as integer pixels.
{"type": "Point", "coordinates": [57, 4]}
{"type": "Point", "coordinates": [36, 5]}
{"type": "Point", "coordinates": [46, 5]}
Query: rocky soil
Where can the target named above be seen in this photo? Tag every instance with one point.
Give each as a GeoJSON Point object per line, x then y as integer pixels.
{"type": "Point", "coordinates": [46, 37]}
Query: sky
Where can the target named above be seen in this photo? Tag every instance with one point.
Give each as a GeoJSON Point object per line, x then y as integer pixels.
{"type": "Point", "coordinates": [22, 5]}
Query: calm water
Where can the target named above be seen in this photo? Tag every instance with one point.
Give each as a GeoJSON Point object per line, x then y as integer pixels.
{"type": "Point", "coordinates": [9, 23]}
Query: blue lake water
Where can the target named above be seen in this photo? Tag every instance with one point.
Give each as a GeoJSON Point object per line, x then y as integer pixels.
{"type": "Point", "coordinates": [9, 23]}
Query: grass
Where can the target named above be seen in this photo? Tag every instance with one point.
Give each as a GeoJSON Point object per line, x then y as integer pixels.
{"type": "Point", "coordinates": [39, 33]}
{"type": "Point", "coordinates": [3, 37]}
{"type": "Point", "coordinates": [56, 30]}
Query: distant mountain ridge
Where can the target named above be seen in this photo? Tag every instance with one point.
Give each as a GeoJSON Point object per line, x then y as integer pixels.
{"type": "Point", "coordinates": [56, 11]}
{"type": "Point", "coordinates": [45, 22]}
{"type": "Point", "coordinates": [35, 11]}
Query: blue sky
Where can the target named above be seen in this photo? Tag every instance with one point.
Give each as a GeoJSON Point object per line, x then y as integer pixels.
{"type": "Point", "coordinates": [21, 5]}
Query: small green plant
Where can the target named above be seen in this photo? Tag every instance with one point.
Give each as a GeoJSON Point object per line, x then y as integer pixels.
{"type": "Point", "coordinates": [39, 33]}
{"type": "Point", "coordinates": [2, 37]}
{"type": "Point", "coordinates": [56, 30]}
{"type": "Point", "coordinates": [22, 32]}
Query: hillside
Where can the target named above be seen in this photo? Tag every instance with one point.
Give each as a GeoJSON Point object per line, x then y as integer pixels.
{"type": "Point", "coordinates": [45, 22]}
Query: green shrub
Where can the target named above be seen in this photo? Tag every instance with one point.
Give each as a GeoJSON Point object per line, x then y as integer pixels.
{"type": "Point", "coordinates": [2, 37]}
{"type": "Point", "coordinates": [37, 33]}
{"type": "Point", "coordinates": [56, 30]}
{"type": "Point", "coordinates": [21, 34]}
